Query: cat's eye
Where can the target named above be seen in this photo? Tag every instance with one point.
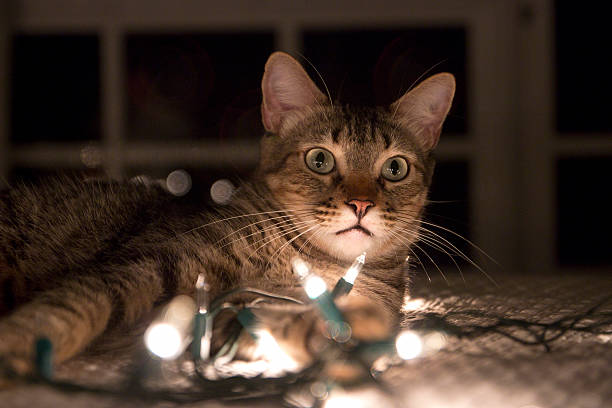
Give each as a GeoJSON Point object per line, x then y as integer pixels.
{"type": "Point", "coordinates": [320, 160]}
{"type": "Point", "coordinates": [395, 168]}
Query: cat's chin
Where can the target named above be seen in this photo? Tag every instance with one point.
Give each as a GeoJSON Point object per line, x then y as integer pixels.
{"type": "Point", "coordinates": [351, 243]}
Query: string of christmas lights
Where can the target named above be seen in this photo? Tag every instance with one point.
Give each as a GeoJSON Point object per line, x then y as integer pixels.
{"type": "Point", "coordinates": [185, 322]}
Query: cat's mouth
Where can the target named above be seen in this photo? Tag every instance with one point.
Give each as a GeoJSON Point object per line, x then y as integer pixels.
{"type": "Point", "coordinates": [355, 228]}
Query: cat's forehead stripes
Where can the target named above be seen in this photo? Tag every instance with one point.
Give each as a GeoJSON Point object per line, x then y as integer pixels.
{"type": "Point", "coordinates": [363, 126]}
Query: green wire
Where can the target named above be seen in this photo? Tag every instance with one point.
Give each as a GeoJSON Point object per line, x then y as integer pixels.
{"type": "Point", "coordinates": [215, 303]}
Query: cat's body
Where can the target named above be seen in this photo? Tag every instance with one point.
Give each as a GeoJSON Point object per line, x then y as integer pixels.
{"type": "Point", "coordinates": [79, 260]}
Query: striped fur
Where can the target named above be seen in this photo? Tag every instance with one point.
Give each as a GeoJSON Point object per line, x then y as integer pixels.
{"type": "Point", "coordinates": [82, 261]}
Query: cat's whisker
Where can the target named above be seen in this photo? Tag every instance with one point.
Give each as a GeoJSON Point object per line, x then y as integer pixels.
{"type": "Point", "coordinates": [461, 237]}
{"type": "Point", "coordinates": [281, 233]}
{"type": "Point", "coordinates": [436, 242]}
{"type": "Point", "coordinates": [311, 244]}
{"type": "Point", "coordinates": [276, 237]}
{"type": "Point", "coordinates": [410, 220]}
{"type": "Point", "coordinates": [459, 252]}
{"type": "Point", "coordinates": [408, 245]}
{"type": "Point", "coordinates": [414, 235]}
{"type": "Point", "coordinates": [233, 218]}
{"type": "Point", "coordinates": [294, 226]}
{"type": "Point", "coordinates": [440, 243]}
{"type": "Point", "coordinates": [447, 244]}
{"type": "Point", "coordinates": [432, 236]}
{"type": "Point", "coordinates": [432, 261]}
{"type": "Point", "coordinates": [440, 247]}
{"type": "Point", "coordinates": [278, 251]}
{"type": "Point", "coordinates": [309, 240]}
{"type": "Point", "coordinates": [273, 235]}
{"type": "Point", "coordinates": [285, 218]}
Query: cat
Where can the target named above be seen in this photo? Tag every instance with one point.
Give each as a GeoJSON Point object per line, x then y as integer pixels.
{"type": "Point", "coordinates": [81, 262]}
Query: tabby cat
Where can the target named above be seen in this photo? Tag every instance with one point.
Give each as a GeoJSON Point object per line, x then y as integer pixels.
{"type": "Point", "coordinates": [83, 261]}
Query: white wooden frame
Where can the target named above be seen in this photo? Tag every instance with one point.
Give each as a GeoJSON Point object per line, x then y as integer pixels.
{"type": "Point", "coordinates": [511, 146]}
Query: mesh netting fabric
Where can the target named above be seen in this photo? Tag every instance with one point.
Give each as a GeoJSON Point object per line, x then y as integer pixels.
{"type": "Point", "coordinates": [532, 341]}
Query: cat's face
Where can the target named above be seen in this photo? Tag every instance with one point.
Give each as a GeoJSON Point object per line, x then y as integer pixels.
{"type": "Point", "coordinates": [354, 179]}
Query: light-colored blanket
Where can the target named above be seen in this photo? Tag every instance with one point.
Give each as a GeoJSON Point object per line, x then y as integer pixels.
{"type": "Point", "coordinates": [487, 361]}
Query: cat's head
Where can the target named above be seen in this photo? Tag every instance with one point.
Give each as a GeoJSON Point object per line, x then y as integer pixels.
{"type": "Point", "coordinates": [355, 179]}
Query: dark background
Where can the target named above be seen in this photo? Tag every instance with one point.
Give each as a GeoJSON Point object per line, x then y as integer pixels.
{"type": "Point", "coordinates": [187, 85]}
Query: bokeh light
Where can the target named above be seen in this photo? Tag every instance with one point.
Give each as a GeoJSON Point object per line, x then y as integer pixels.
{"type": "Point", "coordinates": [408, 345]}
{"type": "Point", "coordinates": [163, 340]}
{"type": "Point", "coordinates": [178, 182]}
{"type": "Point", "coordinates": [221, 191]}
{"type": "Point", "coordinates": [411, 305]}
{"type": "Point", "coordinates": [314, 286]}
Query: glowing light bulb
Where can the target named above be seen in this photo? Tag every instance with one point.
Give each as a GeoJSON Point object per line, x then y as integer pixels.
{"type": "Point", "coordinates": [202, 293]}
{"type": "Point", "coordinates": [314, 286]}
{"type": "Point", "coordinates": [168, 335]}
{"type": "Point", "coordinates": [352, 272]}
{"type": "Point", "coordinates": [316, 289]}
{"type": "Point", "coordinates": [345, 284]}
{"type": "Point", "coordinates": [408, 345]}
{"type": "Point", "coordinates": [163, 340]}
{"type": "Point", "coordinates": [202, 323]}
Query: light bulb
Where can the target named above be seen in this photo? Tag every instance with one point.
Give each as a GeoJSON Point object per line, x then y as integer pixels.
{"type": "Point", "coordinates": [408, 345]}
{"type": "Point", "coordinates": [345, 284]}
{"type": "Point", "coordinates": [169, 333]}
{"type": "Point", "coordinates": [202, 294]}
{"type": "Point", "coordinates": [314, 286]}
{"type": "Point", "coordinates": [163, 340]}
{"type": "Point", "coordinates": [352, 272]}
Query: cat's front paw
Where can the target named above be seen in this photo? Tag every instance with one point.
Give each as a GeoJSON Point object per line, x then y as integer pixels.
{"type": "Point", "coordinates": [366, 322]}
{"type": "Point", "coordinates": [369, 321]}
{"type": "Point", "coordinates": [298, 338]}
{"type": "Point", "coordinates": [16, 352]}
{"type": "Point", "coordinates": [12, 369]}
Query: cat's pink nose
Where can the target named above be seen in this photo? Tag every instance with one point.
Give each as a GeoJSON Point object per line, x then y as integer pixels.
{"type": "Point", "coordinates": [360, 207]}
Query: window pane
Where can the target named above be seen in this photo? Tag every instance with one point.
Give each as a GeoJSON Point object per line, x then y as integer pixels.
{"type": "Point", "coordinates": [584, 219]}
{"type": "Point", "coordinates": [377, 66]}
{"type": "Point", "coordinates": [55, 88]}
{"type": "Point", "coordinates": [584, 83]}
{"type": "Point", "coordinates": [36, 175]}
{"type": "Point", "coordinates": [194, 86]}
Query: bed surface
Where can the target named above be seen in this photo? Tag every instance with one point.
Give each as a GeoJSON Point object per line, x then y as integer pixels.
{"type": "Point", "coordinates": [485, 362]}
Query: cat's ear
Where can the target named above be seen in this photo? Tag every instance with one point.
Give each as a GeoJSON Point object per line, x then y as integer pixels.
{"type": "Point", "coordinates": [423, 109]}
{"type": "Point", "coordinates": [286, 87]}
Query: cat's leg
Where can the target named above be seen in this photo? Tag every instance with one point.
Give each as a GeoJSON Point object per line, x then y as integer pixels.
{"type": "Point", "coordinates": [78, 310]}
{"type": "Point", "coordinates": [70, 316]}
